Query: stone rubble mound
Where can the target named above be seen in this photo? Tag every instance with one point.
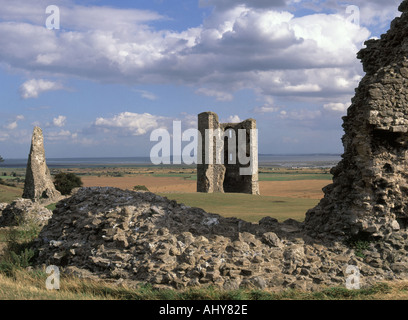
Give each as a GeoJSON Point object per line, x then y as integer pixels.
{"type": "Point", "coordinates": [140, 237]}
{"type": "Point", "coordinates": [23, 211]}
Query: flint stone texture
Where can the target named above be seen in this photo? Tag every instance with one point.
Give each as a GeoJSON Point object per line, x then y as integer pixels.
{"type": "Point", "coordinates": [134, 238]}
{"type": "Point", "coordinates": [38, 181]}
{"type": "Point", "coordinates": [23, 211]}
{"type": "Point", "coordinates": [370, 185]}
{"type": "Point", "coordinates": [214, 176]}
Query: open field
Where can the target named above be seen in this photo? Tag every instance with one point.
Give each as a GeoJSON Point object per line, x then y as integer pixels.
{"type": "Point", "coordinates": [310, 189]}
{"type": "Point", "coordinates": [8, 194]}
{"type": "Point", "coordinates": [246, 207]}
{"type": "Point", "coordinates": [285, 193]}
{"type": "Point", "coordinates": [279, 199]}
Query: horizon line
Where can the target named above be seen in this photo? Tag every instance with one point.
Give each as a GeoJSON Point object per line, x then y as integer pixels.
{"type": "Point", "coordinates": [122, 157]}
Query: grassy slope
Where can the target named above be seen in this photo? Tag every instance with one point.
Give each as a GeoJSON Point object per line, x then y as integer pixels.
{"type": "Point", "coordinates": [8, 194]}
{"type": "Point", "coordinates": [262, 176]}
{"type": "Point", "coordinates": [30, 285]}
{"type": "Point", "coordinates": [247, 207]}
{"type": "Point", "coordinates": [294, 176]}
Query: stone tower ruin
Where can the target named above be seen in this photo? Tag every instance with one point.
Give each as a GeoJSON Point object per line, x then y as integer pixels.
{"type": "Point", "coordinates": [38, 182]}
{"type": "Point", "coordinates": [368, 197]}
{"type": "Point", "coordinates": [221, 150]}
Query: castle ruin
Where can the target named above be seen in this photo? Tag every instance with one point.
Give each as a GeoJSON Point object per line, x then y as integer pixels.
{"type": "Point", "coordinates": [228, 154]}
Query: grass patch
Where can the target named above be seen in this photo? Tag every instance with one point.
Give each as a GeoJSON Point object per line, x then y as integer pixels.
{"type": "Point", "coordinates": [270, 176]}
{"type": "Point", "coordinates": [30, 284]}
{"type": "Point", "coordinates": [359, 244]}
{"type": "Point", "coordinates": [247, 207]}
{"type": "Point", "coordinates": [140, 188]}
{"type": "Point", "coordinates": [17, 252]}
{"type": "Point", "coordinates": [293, 176]}
{"type": "Point", "coordinates": [9, 193]}
{"type": "Point", "coordinates": [51, 206]}
{"type": "Point", "coordinates": [359, 248]}
{"type": "Point", "coordinates": [186, 176]}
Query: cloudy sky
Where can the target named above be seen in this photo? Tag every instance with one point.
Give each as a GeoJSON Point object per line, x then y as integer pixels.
{"type": "Point", "coordinates": [116, 70]}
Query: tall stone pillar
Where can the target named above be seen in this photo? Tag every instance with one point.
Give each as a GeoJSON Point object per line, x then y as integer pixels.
{"type": "Point", "coordinates": [38, 182]}
{"type": "Point", "coordinates": [210, 175]}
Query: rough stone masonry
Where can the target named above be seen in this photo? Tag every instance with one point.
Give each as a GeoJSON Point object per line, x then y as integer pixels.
{"type": "Point", "coordinates": [38, 181]}
{"type": "Point", "coordinates": [133, 238]}
{"type": "Point", "coordinates": [220, 169]}
{"type": "Point", "coordinates": [368, 197]}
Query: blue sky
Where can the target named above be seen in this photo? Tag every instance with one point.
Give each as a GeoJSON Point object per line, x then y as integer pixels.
{"type": "Point", "coordinates": [116, 70]}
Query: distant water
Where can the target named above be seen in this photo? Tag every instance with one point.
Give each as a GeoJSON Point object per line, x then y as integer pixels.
{"type": "Point", "coordinates": [80, 162]}
{"type": "Point", "coordinates": [284, 161]}
{"type": "Point", "coordinates": [300, 161]}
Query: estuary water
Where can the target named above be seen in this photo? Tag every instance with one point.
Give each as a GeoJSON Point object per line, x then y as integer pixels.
{"type": "Point", "coordinates": [284, 161]}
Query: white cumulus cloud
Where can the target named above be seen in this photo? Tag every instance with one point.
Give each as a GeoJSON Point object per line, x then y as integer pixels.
{"type": "Point", "coordinates": [265, 109]}
{"type": "Point", "coordinates": [14, 124]}
{"type": "Point", "coordinates": [147, 95]}
{"type": "Point", "coordinates": [233, 119]}
{"type": "Point", "coordinates": [130, 123]}
{"type": "Point", "coordinates": [59, 121]}
{"type": "Point", "coordinates": [217, 94]}
{"type": "Point", "coordinates": [34, 87]}
{"type": "Point", "coordinates": [336, 106]}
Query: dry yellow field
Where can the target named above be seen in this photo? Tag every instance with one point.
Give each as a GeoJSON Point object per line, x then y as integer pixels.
{"type": "Point", "coordinates": [300, 189]}
{"type": "Point", "coordinates": [279, 199]}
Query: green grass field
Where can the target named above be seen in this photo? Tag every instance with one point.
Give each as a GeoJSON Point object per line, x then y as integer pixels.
{"type": "Point", "coordinates": [246, 207]}
{"type": "Point", "coordinates": [294, 176]}
{"type": "Point", "coordinates": [262, 176]}
{"type": "Point", "coordinates": [8, 194]}
{"type": "Point", "coordinates": [176, 175]}
{"type": "Point", "coordinates": [30, 285]}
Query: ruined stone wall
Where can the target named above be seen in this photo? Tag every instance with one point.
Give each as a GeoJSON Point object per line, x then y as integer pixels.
{"type": "Point", "coordinates": [226, 176]}
{"type": "Point", "coordinates": [135, 238]}
{"type": "Point", "coordinates": [370, 186]}
{"type": "Point", "coordinates": [209, 176]}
